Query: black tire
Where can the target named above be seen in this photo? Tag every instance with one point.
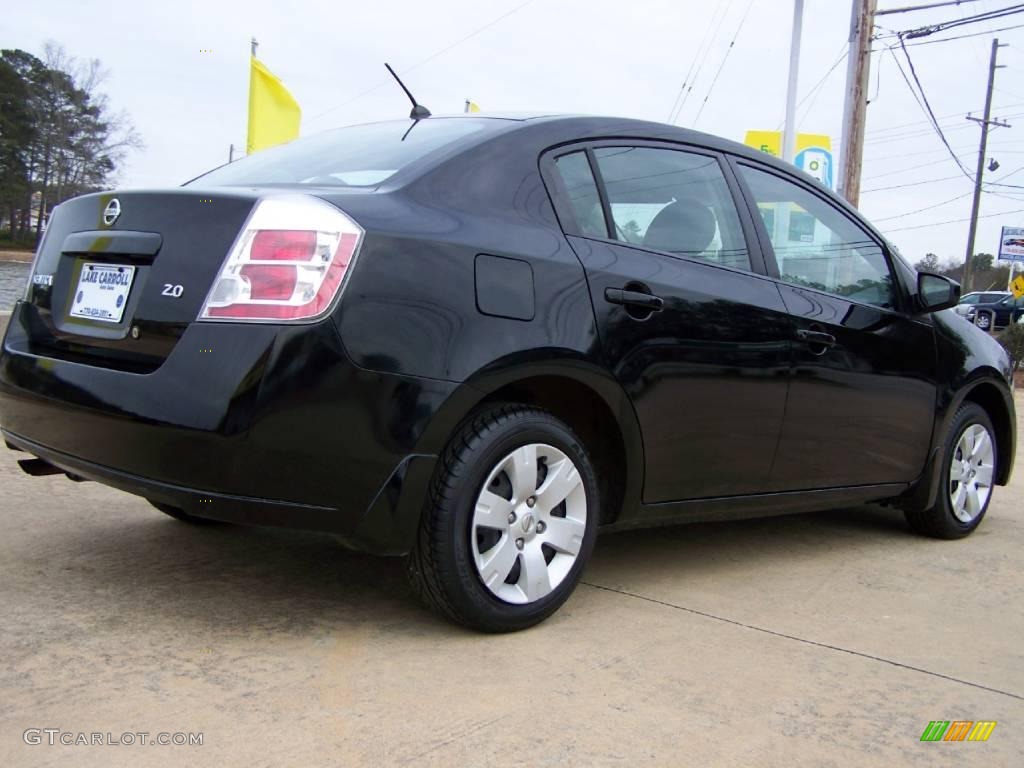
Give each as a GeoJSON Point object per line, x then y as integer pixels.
{"type": "Point", "coordinates": [985, 321]}
{"type": "Point", "coordinates": [441, 567]}
{"type": "Point", "coordinates": [180, 514]}
{"type": "Point", "coordinates": [939, 521]}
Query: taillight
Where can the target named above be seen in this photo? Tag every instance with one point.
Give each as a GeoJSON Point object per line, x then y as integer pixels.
{"type": "Point", "coordinates": [288, 263]}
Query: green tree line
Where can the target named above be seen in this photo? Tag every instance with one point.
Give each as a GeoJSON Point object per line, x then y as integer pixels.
{"type": "Point", "coordinates": [986, 273]}
{"type": "Point", "coordinates": [58, 137]}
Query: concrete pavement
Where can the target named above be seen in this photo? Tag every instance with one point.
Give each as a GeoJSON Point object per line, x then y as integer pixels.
{"type": "Point", "coordinates": [819, 640]}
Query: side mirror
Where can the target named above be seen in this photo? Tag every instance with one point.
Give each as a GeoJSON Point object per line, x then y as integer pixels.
{"type": "Point", "coordinates": [935, 292]}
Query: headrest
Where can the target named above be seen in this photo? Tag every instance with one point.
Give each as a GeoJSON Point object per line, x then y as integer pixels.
{"type": "Point", "coordinates": [685, 226]}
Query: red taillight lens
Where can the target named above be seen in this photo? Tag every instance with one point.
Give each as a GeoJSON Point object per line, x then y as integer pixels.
{"type": "Point", "coordinates": [269, 283]}
{"type": "Point", "coordinates": [289, 263]}
{"type": "Point", "coordinates": [283, 244]}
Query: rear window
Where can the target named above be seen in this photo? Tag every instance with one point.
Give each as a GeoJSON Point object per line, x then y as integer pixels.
{"type": "Point", "coordinates": [357, 156]}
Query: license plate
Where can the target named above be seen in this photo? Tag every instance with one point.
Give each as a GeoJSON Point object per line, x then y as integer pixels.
{"type": "Point", "coordinates": [102, 292]}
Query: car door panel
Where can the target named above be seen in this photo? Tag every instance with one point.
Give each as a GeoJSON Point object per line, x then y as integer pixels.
{"type": "Point", "coordinates": [707, 374]}
{"type": "Point", "coordinates": [859, 412]}
{"type": "Point", "coordinates": [862, 393]}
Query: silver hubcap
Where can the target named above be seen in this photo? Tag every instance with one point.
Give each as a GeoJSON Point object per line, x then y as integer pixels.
{"type": "Point", "coordinates": [970, 472]}
{"type": "Point", "coordinates": [528, 524]}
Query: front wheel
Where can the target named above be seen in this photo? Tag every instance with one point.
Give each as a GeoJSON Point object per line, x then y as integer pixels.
{"type": "Point", "coordinates": [984, 321]}
{"type": "Point", "coordinates": [969, 462]}
{"type": "Point", "coordinates": [510, 521]}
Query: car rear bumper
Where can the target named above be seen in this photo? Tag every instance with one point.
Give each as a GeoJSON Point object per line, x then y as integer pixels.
{"type": "Point", "coordinates": [243, 422]}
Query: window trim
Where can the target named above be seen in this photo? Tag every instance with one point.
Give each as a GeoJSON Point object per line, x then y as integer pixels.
{"type": "Point", "coordinates": [602, 194]}
{"type": "Point", "coordinates": [559, 193]}
{"type": "Point", "coordinates": [900, 293]}
{"type": "Point", "coordinates": [564, 212]}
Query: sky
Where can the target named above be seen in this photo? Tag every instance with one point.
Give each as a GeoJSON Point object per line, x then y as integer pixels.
{"type": "Point", "coordinates": [179, 69]}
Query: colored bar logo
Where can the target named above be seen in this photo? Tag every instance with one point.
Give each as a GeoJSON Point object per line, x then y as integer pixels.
{"type": "Point", "coordinates": [958, 730]}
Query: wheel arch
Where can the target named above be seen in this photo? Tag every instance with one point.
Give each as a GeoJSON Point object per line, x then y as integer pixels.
{"type": "Point", "coordinates": [575, 390]}
{"type": "Point", "coordinates": [993, 400]}
{"type": "Point", "coordinates": [987, 389]}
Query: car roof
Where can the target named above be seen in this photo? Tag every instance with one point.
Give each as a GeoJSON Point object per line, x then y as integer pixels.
{"type": "Point", "coordinates": [588, 126]}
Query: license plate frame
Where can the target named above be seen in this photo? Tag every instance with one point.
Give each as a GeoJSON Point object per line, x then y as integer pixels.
{"type": "Point", "coordinates": [102, 292]}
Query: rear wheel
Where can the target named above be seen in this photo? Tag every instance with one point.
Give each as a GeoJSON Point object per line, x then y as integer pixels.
{"type": "Point", "coordinates": [510, 521]}
{"type": "Point", "coordinates": [969, 473]}
{"type": "Point", "coordinates": [179, 514]}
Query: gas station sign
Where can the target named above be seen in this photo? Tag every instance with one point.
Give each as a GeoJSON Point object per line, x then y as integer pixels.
{"type": "Point", "coordinates": [813, 152]}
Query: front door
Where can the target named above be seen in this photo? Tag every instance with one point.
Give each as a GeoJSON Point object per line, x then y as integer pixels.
{"type": "Point", "coordinates": [861, 402]}
{"type": "Point", "coordinates": [699, 342]}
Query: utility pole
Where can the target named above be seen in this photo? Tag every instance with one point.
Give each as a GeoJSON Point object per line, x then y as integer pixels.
{"type": "Point", "coordinates": [855, 107]}
{"type": "Point", "coordinates": [789, 131]}
{"type": "Point", "coordinates": [253, 46]}
{"type": "Point", "coordinates": [984, 122]}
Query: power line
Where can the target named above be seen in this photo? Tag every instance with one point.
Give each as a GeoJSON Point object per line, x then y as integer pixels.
{"type": "Point", "coordinates": [926, 208]}
{"type": "Point", "coordinates": [725, 58]}
{"type": "Point", "coordinates": [952, 221]}
{"type": "Point", "coordinates": [948, 128]}
{"type": "Point", "coordinates": [934, 162]}
{"type": "Point", "coordinates": [911, 34]}
{"type": "Point", "coordinates": [703, 60]}
{"type": "Point", "coordinates": [922, 7]}
{"type": "Point", "coordinates": [961, 37]}
{"type": "Point", "coordinates": [935, 181]}
{"type": "Point", "coordinates": [943, 117]}
{"type": "Point", "coordinates": [429, 58]}
{"type": "Point", "coordinates": [906, 170]}
{"type": "Point", "coordinates": [673, 113]}
{"type": "Point", "coordinates": [902, 155]}
{"type": "Point", "coordinates": [913, 134]}
{"type": "Point", "coordinates": [951, 200]}
{"type": "Point", "coordinates": [925, 106]}
{"type": "Point", "coordinates": [909, 184]}
{"type": "Point", "coordinates": [816, 88]}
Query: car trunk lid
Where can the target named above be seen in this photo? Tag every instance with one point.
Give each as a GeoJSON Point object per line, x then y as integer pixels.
{"type": "Point", "coordinates": [119, 276]}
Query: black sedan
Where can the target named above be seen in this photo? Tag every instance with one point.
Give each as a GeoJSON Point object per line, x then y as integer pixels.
{"type": "Point", "coordinates": [475, 342]}
{"type": "Point", "coordinates": [997, 313]}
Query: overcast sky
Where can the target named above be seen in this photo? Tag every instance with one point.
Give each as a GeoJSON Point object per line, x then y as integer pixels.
{"type": "Point", "coordinates": [586, 56]}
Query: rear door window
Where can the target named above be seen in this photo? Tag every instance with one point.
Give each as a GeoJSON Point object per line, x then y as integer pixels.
{"type": "Point", "coordinates": [674, 201]}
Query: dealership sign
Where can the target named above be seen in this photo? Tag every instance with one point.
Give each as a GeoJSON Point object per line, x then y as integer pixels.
{"type": "Point", "coordinates": [1011, 244]}
{"type": "Point", "coordinates": [813, 151]}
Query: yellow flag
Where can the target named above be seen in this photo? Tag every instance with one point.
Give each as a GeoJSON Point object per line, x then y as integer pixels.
{"type": "Point", "coordinates": [472, 106]}
{"type": "Point", "coordinates": [273, 114]}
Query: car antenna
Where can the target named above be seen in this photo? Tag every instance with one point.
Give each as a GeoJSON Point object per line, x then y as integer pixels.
{"type": "Point", "coordinates": [418, 110]}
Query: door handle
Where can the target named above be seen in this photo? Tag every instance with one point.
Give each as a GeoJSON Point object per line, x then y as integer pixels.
{"type": "Point", "coordinates": [646, 301]}
{"type": "Point", "coordinates": [816, 339]}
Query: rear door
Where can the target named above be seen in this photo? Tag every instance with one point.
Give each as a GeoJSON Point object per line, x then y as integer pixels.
{"type": "Point", "coordinates": [862, 393]}
{"type": "Point", "coordinates": [698, 339]}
